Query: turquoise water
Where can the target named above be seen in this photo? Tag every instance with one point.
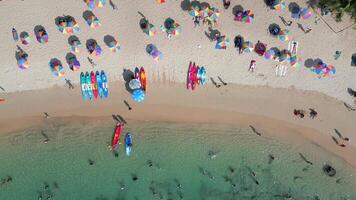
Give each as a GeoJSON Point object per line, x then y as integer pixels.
{"type": "Point", "coordinates": [170, 161]}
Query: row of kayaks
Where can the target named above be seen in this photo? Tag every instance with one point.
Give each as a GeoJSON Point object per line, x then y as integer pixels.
{"type": "Point", "coordinates": [196, 75]}
{"type": "Point", "coordinates": [94, 85]}
{"type": "Point", "coordinates": [116, 139]}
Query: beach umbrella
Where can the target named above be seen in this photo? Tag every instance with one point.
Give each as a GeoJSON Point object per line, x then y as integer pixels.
{"type": "Point", "coordinates": [150, 30]}
{"type": "Point", "coordinates": [100, 3]}
{"type": "Point", "coordinates": [73, 63]}
{"type": "Point", "coordinates": [295, 11]}
{"type": "Point", "coordinates": [306, 13]}
{"type": "Point", "coordinates": [90, 3]}
{"type": "Point", "coordinates": [42, 36]}
{"type": "Point", "coordinates": [214, 14]}
{"type": "Point", "coordinates": [271, 3]}
{"type": "Point", "coordinates": [114, 46]}
{"type": "Point", "coordinates": [284, 55]}
{"type": "Point", "coordinates": [295, 61]}
{"type": "Point", "coordinates": [23, 63]}
{"type": "Point", "coordinates": [94, 49]}
{"type": "Point", "coordinates": [194, 12]}
{"type": "Point", "coordinates": [160, 1]}
{"type": "Point", "coordinates": [260, 48]}
{"type": "Point", "coordinates": [280, 6]}
{"type": "Point", "coordinates": [329, 70]}
{"type": "Point", "coordinates": [177, 29]}
{"type": "Point", "coordinates": [56, 67]}
{"type": "Point", "coordinates": [274, 29]}
{"type": "Point", "coordinates": [284, 35]}
{"type": "Point", "coordinates": [269, 54]}
{"type": "Point", "coordinates": [138, 95]}
{"type": "Point", "coordinates": [135, 84]}
{"type": "Point", "coordinates": [150, 49]}
{"type": "Point", "coordinates": [76, 46]}
{"type": "Point", "coordinates": [248, 46]}
{"type": "Point", "coordinates": [222, 42]}
{"type": "Point", "coordinates": [93, 22]}
{"type": "Point", "coordinates": [25, 38]}
{"type": "Point", "coordinates": [248, 16]}
{"type": "Point", "coordinates": [204, 12]}
{"type": "Point", "coordinates": [157, 56]}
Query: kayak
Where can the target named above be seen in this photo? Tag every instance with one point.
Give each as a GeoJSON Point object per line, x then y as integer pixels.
{"type": "Point", "coordinates": [99, 84]}
{"type": "Point", "coordinates": [84, 86]}
{"type": "Point", "coordinates": [143, 79]}
{"type": "Point", "coordinates": [203, 75]}
{"type": "Point", "coordinates": [94, 84]}
{"type": "Point", "coordinates": [128, 144]}
{"type": "Point", "coordinates": [116, 138]}
{"type": "Point", "coordinates": [89, 85]}
{"type": "Point", "coordinates": [193, 75]}
{"type": "Point", "coordinates": [137, 73]}
{"type": "Point", "coordinates": [188, 75]}
{"type": "Point", "coordinates": [198, 75]}
{"type": "Point", "coordinates": [104, 80]}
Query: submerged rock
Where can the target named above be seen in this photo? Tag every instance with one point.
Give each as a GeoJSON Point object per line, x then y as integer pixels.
{"type": "Point", "coordinates": [329, 170]}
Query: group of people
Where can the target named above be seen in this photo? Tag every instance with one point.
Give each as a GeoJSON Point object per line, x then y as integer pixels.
{"type": "Point", "coordinates": [301, 113]}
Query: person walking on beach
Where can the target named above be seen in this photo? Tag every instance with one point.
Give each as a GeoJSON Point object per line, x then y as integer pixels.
{"type": "Point", "coordinates": [196, 21]}
{"type": "Point", "coordinates": [312, 113]}
{"type": "Point", "coordinates": [252, 66]}
{"type": "Point", "coordinates": [226, 4]}
{"type": "Point", "coordinates": [69, 83]}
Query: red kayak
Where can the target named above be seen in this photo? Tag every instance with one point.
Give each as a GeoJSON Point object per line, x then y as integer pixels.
{"type": "Point", "coordinates": [188, 75]}
{"type": "Point", "coordinates": [193, 76]}
{"type": "Point", "coordinates": [116, 138]}
{"type": "Point", "coordinates": [94, 84]}
{"type": "Point", "coordinates": [143, 79]}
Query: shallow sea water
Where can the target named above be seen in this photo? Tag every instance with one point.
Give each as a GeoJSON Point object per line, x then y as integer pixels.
{"type": "Point", "coordinates": [181, 164]}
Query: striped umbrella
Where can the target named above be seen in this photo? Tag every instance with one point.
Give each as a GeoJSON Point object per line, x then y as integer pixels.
{"type": "Point", "coordinates": [295, 61]}
{"type": "Point", "coordinates": [329, 70]}
{"type": "Point", "coordinates": [194, 12]}
{"type": "Point", "coordinates": [204, 12]}
{"type": "Point", "coordinates": [114, 46]}
{"type": "Point", "coordinates": [100, 3]}
{"type": "Point", "coordinates": [284, 35]}
{"type": "Point", "coordinates": [73, 64]}
{"type": "Point", "coordinates": [222, 42]}
{"type": "Point", "coordinates": [306, 13]}
{"type": "Point", "coordinates": [150, 31]}
{"type": "Point", "coordinates": [93, 22]}
{"type": "Point", "coordinates": [76, 46]}
{"type": "Point", "coordinates": [214, 14]}
{"type": "Point", "coordinates": [23, 63]}
{"type": "Point", "coordinates": [248, 47]}
{"type": "Point", "coordinates": [138, 95]}
{"type": "Point", "coordinates": [284, 56]}
{"type": "Point", "coordinates": [269, 54]}
{"type": "Point", "coordinates": [25, 38]}
{"type": "Point", "coordinates": [42, 36]}
{"type": "Point", "coordinates": [248, 16]}
{"type": "Point", "coordinates": [90, 3]}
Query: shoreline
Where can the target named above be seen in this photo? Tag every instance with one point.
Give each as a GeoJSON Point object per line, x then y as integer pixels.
{"type": "Point", "coordinates": [235, 105]}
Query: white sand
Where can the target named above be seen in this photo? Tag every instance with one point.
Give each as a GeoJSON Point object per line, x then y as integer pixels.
{"type": "Point", "coordinates": [123, 25]}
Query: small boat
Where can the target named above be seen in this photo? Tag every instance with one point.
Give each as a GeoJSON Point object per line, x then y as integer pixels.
{"type": "Point", "coordinates": [193, 76]}
{"type": "Point", "coordinates": [137, 73]}
{"type": "Point", "coordinates": [198, 75]}
{"type": "Point", "coordinates": [116, 138]}
{"type": "Point", "coordinates": [128, 144]}
{"type": "Point", "coordinates": [203, 75]}
{"type": "Point", "coordinates": [84, 86]}
{"type": "Point", "coordinates": [99, 84]}
{"type": "Point", "coordinates": [94, 84]}
{"type": "Point", "coordinates": [89, 85]}
{"type": "Point", "coordinates": [104, 80]}
{"type": "Point", "coordinates": [143, 79]}
{"type": "Point", "coordinates": [188, 75]}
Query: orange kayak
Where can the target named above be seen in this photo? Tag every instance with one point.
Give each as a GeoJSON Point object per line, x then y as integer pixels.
{"type": "Point", "coordinates": [143, 79]}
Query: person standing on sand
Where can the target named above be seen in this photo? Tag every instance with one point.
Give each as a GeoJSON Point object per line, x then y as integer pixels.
{"type": "Point", "coordinates": [226, 4]}
{"type": "Point", "coordinates": [252, 66]}
{"type": "Point", "coordinates": [312, 113]}
{"type": "Point", "coordinates": [196, 21]}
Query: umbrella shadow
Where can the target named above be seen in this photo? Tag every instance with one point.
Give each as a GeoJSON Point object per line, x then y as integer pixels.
{"type": "Point", "coordinates": [293, 7]}
{"type": "Point", "coordinates": [108, 39]}
{"type": "Point", "coordinates": [88, 14]}
{"type": "Point", "coordinates": [24, 34]}
{"type": "Point", "coordinates": [205, 4]}
{"type": "Point", "coordinates": [72, 39]}
{"type": "Point", "coordinates": [213, 34]}
{"type": "Point", "coordinates": [185, 5]}
{"type": "Point", "coordinates": [236, 9]}
{"type": "Point", "coordinates": [53, 61]}
{"type": "Point", "coordinates": [90, 43]}
{"type": "Point", "coordinates": [58, 20]}
{"type": "Point", "coordinates": [143, 23]}
{"type": "Point", "coordinates": [38, 28]}
{"type": "Point", "coordinates": [277, 51]}
{"type": "Point", "coordinates": [309, 63]}
{"type": "Point", "coordinates": [128, 75]}
{"type": "Point", "coordinates": [69, 57]}
{"type": "Point", "coordinates": [317, 61]}
{"type": "Point", "coordinates": [20, 53]}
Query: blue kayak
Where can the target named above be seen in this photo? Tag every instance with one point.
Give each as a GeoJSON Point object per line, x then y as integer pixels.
{"type": "Point", "coordinates": [89, 85]}
{"type": "Point", "coordinates": [203, 75]}
{"type": "Point", "coordinates": [84, 86]}
{"type": "Point", "coordinates": [99, 83]}
{"type": "Point", "coordinates": [128, 144]}
{"type": "Point", "coordinates": [104, 84]}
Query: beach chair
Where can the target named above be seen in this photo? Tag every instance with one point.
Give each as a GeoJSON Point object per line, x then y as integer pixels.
{"type": "Point", "coordinates": [293, 47]}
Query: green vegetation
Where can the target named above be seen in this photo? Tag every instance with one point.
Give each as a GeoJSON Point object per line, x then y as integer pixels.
{"type": "Point", "coordinates": [337, 7]}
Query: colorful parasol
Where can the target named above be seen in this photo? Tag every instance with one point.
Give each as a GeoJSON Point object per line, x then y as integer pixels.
{"type": "Point", "coordinates": [329, 70]}
{"type": "Point", "coordinates": [194, 12]}
{"type": "Point", "coordinates": [150, 31]}
{"type": "Point", "coordinates": [56, 67]}
{"type": "Point", "coordinates": [90, 3]}
{"type": "Point", "coordinates": [138, 95]}
{"type": "Point", "coordinates": [73, 64]}
{"type": "Point", "coordinates": [161, 1]}
{"type": "Point", "coordinates": [269, 54]}
{"type": "Point", "coordinates": [214, 14]}
{"type": "Point", "coordinates": [100, 3]}
{"type": "Point", "coordinates": [222, 42]}
{"type": "Point", "coordinates": [23, 63]}
{"type": "Point", "coordinates": [114, 46]}
{"type": "Point", "coordinates": [295, 61]}
{"type": "Point", "coordinates": [284, 35]}
{"type": "Point", "coordinates": [76, 46]}
{"type": "Point", "coordinates": [284, 56]}
{"type": "Point", "coordinates": [248, 47]}
{"type": "Point", "coordinates": [204, 12]}
{"type": "Point", "coordinates": [93, 22]}
{"type": "Point", "coordinates": [25, 38]}
{"type": "Point", "coordinates": [94, 48]}
{"type": "Point", "coordinates": [306, 13]}
{"type": "Point", "coordinates": [42, 36]}
{"type": "Point", "coordinates": [248, 16]}
{"type": "Point", "coordinates": [260, 48]}
{"type": "Point", "coordinates": [280, 6]}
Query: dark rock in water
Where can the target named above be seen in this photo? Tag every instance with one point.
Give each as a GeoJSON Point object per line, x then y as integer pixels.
{"type": "Point", "coordinates": [329, 170]}
{"type": "Point", "coordinates": [134, 177]}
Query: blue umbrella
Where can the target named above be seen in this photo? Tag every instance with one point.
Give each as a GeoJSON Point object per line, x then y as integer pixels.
{"type": "Point", "coordinates": [138, 95]}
